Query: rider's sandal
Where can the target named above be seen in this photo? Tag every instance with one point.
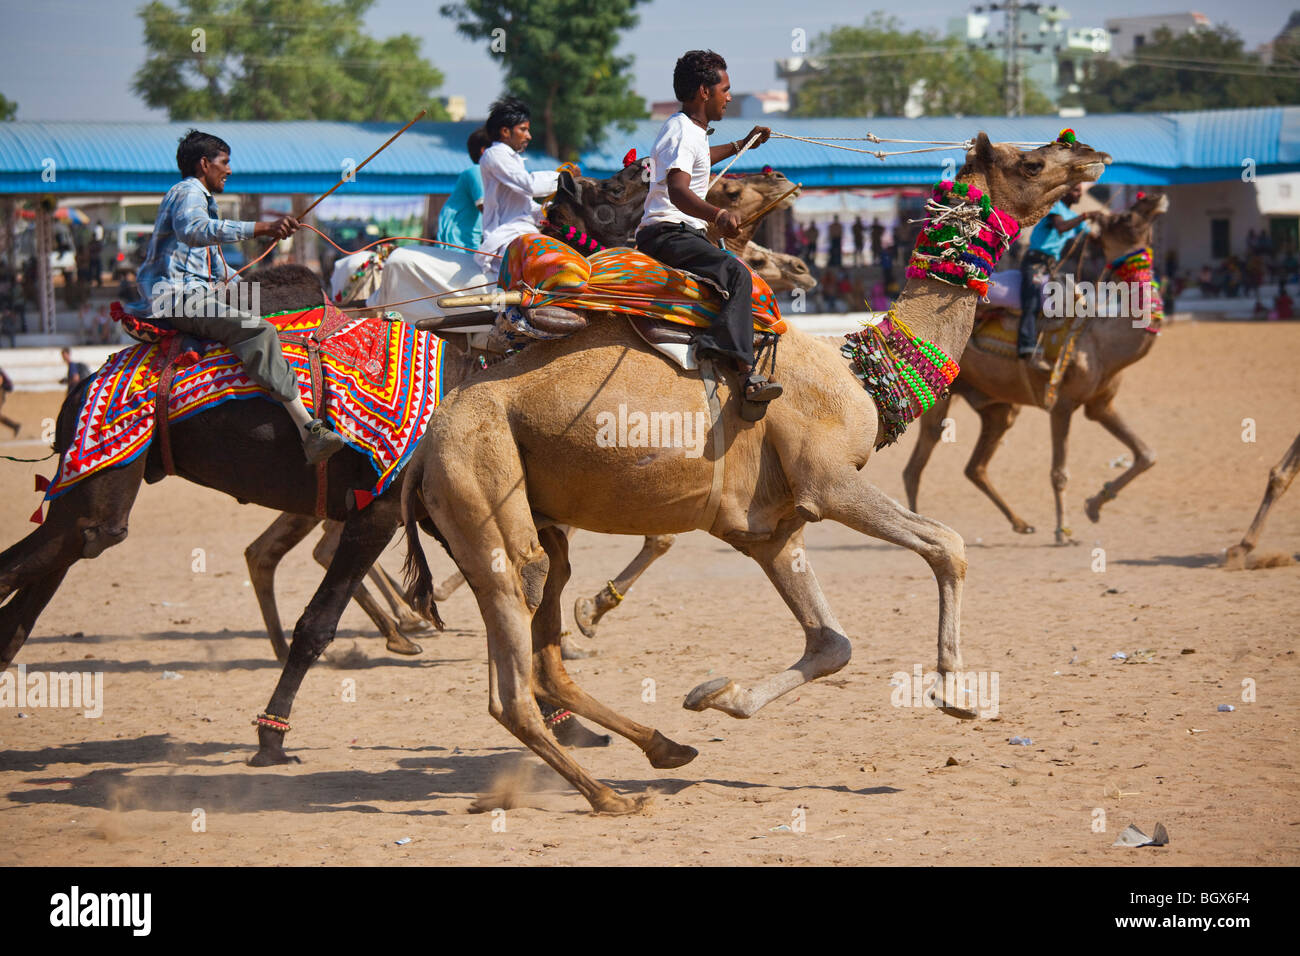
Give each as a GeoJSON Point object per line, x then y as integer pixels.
{"type": "Point", "coordinates": [756, 393]}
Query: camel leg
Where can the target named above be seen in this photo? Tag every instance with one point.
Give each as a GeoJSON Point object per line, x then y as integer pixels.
{"type": "Point", "coordinates": [826, 649]}
{"type": "Point", "coordinates": [995, 420]}
{"type": "Point", "coordinates": [555, 687]}
{"type": "Point", "coordinates": [494, 520]}
{"type": "Point", "coordinates": [862, 506]}
{"type": "Point", "coordinates": [1143, 457]}
{"type": "Point", "coordinates": [324, 553]}
{"type": "Point", "coordinates": [89, 518]}
{"type": "Point", "coordinates": [445, 589]}
{"type": "Point", "coordinates": [1279, 479]}
{"type": "Point", "coordinates": [929, 432]}
{"type": "Point", "coordinates": [365, 535]}
{"type": "Point", "coordinates": [587, 612]}
{"type": "Point", "coordinates": [408, 622]}
{"type": "Point", "coordinates": [262, 557]}
{"type": "Point", "coordinates": [1060, 414]}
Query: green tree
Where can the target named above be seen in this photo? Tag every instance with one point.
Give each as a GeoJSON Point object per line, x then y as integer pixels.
{"type": "Point", "coordinates": [875, 69]}
{"type": "Point", "coordinates": [280, 60]}
{"type": "Point", "coordinates": [559, 59]}
{"type": "Point", "coordinates": [1207, 69]}
{"type": "Point", "coordinates": [8, 108]}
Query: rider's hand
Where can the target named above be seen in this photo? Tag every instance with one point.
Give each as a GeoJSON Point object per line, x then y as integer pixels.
{"type": "Point", "coordinates": [727, 223]}
{"type": "Point", "coordinates": [281, 228]}
{"type": "Point", "coordinates": [763, 133]}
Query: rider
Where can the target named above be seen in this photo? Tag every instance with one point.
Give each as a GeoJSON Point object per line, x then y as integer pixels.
{"type": "Point", "coordinates": [509, 210]}
{"type": "Point", "coordinates": [1045, 244]}
{"type": "Point", "coordinates": [178, 281]}
{"type": "Point", "coordinates": [672, 229]}
{"type": "Point", "coordinates": [460, 221]}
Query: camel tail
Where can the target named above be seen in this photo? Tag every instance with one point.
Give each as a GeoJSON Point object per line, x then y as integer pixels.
{"type": "Point", "coordinates": [415, 570]}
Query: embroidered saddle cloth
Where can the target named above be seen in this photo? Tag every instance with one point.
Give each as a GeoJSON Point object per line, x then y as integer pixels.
{"type": "Point", "coordinates": [551, 272]}
{"type": "Point", "coordinates": [382, 381]}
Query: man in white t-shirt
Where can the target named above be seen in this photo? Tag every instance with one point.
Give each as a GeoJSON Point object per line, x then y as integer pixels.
{"type": "Point", "coordinates": [509, 210]}
{"type": "Point", "coordinates": [677, 214]}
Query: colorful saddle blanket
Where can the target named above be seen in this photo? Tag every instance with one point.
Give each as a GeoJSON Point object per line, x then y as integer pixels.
{"type": "Point", "coordinates": [382, 382]}
{"type": "Point", "coordinates": [997, 331]}
{"type": "Point", "coordinates": [550, 272]}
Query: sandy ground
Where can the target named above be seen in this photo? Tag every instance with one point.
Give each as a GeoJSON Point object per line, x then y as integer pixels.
{"type": "Point", "coordinates": [855, 779]}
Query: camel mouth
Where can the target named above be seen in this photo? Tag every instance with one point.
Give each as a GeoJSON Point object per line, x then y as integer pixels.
{"type": "Point", "coordinates": [1091, 172]}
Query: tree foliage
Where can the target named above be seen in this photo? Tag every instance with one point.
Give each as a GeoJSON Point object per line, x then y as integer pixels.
{"type": "Point", "coordinates": [875, 69]}
{"type": "Point", "coordinates": [1207, 69]}
{"type": "Point", "coordinates": [280, 60]}
{"type": "Point", "coordinates": [558, 56]}
{"type": "Point", "coordinates": [8, 108]}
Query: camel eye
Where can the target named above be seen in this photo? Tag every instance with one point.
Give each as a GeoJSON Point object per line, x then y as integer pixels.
{"type": "Point", "coordinates": [1032, 167]}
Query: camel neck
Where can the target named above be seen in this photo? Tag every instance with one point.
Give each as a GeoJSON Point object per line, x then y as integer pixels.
{"type": "Point", "coordinates": [938, 311]}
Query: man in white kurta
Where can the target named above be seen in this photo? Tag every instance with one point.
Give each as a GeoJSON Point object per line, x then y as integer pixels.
{"type": "Point", "coordinates": [509, 209]}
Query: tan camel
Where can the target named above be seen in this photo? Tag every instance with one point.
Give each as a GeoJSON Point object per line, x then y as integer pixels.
{"type": "Point", "coordinates": [1279, 480]}
{"type": "Point", "coordinates": [747, 195]}
{"type": "Point", "coordinates": [996, 385]}
{"type": "Point", "coordinates": [519, 451]}
{"type": "Point", "coordinates": [781, 271]}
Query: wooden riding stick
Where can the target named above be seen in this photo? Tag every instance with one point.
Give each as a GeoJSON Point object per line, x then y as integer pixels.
{"type": "Point", "coordinates": [353, 173]}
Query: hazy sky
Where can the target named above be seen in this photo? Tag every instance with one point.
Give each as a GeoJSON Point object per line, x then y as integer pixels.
{"type": "Point", "coordinates": [74, 59]}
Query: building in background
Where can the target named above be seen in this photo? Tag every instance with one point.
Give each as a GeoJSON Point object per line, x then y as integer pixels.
{"type": "Point", "coordinates": [1128, 34]}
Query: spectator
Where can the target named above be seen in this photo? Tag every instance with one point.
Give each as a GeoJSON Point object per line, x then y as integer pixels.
{"type": "Point", "coordinates": [835, 259]}
{"type": "Point", "coordinates": [96, 250]}
{"type": "Point", "coordinates": [76, 370]}
{"type": "Point", "coordinates": [1282, 304]}
{"type": "Point", "coordinates": [7, 386]}
{"type": "Point", "coordinates": [830, 289]}
{"type": "Point", "coordinates": [810, 249]}
{"type": "Point", "coordinates": [877, 240]}
{"type": "Point", "coordinates": [103, 328]}
{"type": "Point", "coordinates": [1205, 279]}
{"type": "Point", "coordinates": [859, 238]}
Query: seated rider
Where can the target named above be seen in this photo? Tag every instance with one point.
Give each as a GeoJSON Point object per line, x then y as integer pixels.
{"type": "Point", "coordinates": [178, 281]}
{"type": "Point", "coordinates": [1045, 244]}
{"type": "Point", "coordinates": [672, 229]}
{"type": "Point", "coordinates": [461, 220]}
{"type": "Point", "coordinates": [509, 210]}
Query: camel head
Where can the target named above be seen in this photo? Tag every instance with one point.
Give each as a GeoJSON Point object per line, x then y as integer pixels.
{"type": "Point", "coordinates": [780, 271]}
{"type": "Point", "coordinates": [1026, 184]}
{"type": "Point", "coordinates": [745, 195]}
{"type": "Point", "coordinates": [1124, 232]}
{"type": "Point", "coordinates": [608, 210]}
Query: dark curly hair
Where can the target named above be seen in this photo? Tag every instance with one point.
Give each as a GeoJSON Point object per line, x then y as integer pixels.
{"type": "Point", "coordinates": [508, 112]}
{"type": "Point", "coordinates": [194, 146]}
{"type": "Point", "coordinates": [478, 141]}
{"type": "Point", "coordinates": [694, 69]}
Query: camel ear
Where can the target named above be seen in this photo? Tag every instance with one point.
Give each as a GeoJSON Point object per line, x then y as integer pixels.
{"type": "Point", "coordinates": [982, 152]}
{"type": "Point", "coordinates": [569, 186]}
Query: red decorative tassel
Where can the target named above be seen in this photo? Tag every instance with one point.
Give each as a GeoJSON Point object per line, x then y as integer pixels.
{"type": "Point", "coordinates": [37, 517]}
{"type": "Point", "coordinates": [187, 358]}
{"type": "Point", "coordinates": [42, 482]}
{"type": "Point", "coordinates": [630, 157]}
{"type": "Point", "coordinates": [362, 497]}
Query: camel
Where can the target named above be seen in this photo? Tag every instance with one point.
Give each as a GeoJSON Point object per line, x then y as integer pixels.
{"type": "Point", "coordinates": [518, 452]}
{"type": "Point", "coordinates": [1279, 480]}
{"type": "Point", "coordinates": [997, 385]}
{"type": "Point", "coordinates": [609, 211]}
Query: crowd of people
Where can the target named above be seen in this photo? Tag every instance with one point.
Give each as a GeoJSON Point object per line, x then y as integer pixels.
{"type": "Point", "coordinates": [861, 276]}
{"type": "Point", "coordinates": [1248, 275]}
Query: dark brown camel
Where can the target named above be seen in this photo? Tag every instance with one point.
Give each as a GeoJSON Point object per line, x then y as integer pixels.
{"type": "Point", "coordinates": [259, 460]}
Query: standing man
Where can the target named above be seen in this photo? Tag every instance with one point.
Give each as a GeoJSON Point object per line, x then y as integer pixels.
{"type": "Point", "coordinates": [1045, 244]}
{"type": "Point", "coordinates": [509, 210]}
{"type": "Point", "coordinates": [877, 240]}
{"type": "Point", "coordinates": [77, 371]}
{"type": "Point", "coordinates": [672, 229]}
{"type": "Point", "coordinates": [183, 269]}
{"type": "Point", "coordinates": [460, 220]}
{"type": "Point", "coordinates": [835, 258]}
{"type": "Point", "coordinates": [859, 240]}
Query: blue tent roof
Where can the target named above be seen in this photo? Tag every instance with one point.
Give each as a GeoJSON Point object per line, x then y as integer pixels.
{"type": "Point", "coordinates": [309, 157]}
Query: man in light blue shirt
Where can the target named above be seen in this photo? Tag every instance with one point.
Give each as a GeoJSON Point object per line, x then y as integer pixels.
{"type": "Point", "coordinates": [460, 221]}
{"type": "Point", "coordinates": [182, 279]}
{"type": "Point", "coordinates": [1046, 243]}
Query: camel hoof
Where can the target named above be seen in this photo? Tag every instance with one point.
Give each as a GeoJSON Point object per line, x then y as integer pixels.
{"type": "Point", "coordinates": [570, 650]}
{"type": "Point", "coordinates": [1022, 528]}
{"type": "Point", "coordinates": [584, 615]}
{"type": "Point", "coordinates": [665, 754]}
{"type": "Point", "coordinates": [1092, 508]}
{"type": "Point", "coordinates": [415, 627]}
{"type": "Point", "coordinates": [952, 710]}
{"type": "Point", "coordinates": [615, 805]}
{"type": "Point", "coordinates": [570, 733]}
{"type": "Point", "coordinates": [399, 644]}
{"type": "Point", "coordinates": [271, 757]}
{"type": "Point", "coordinates": [713, 694]}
